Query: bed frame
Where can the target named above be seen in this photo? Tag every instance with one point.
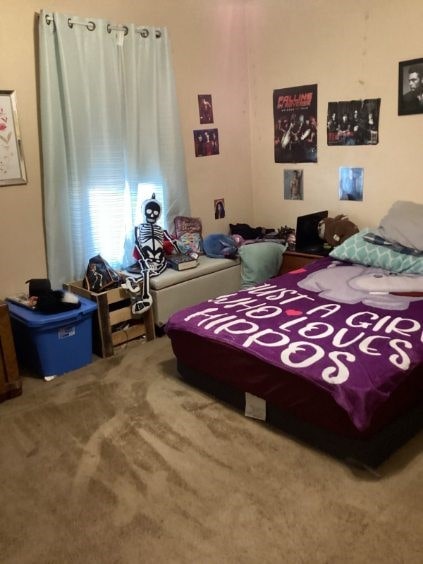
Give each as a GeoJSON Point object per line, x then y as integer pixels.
{"type": "Point", "coordinates": [367, 453]}
{"type": "Point", "coordinates": [362, 424]}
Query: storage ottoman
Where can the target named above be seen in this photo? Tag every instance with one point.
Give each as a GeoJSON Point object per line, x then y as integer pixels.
{"type": "Point", "coordinates": [173, 290]}
{"type": "Point", "coordinates": [52, 344]}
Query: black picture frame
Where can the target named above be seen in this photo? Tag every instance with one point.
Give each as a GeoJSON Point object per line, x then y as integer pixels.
{"type": "Point", "coordinates": [410, 101]}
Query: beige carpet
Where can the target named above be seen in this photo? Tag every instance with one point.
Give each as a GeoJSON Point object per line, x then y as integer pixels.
{"type": "Point", "coordinates": [121, 462]}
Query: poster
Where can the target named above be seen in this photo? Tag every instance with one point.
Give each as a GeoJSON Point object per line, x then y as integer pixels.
{"type": "Point", "coordinates": [353, 123]}
{"type": "Point", "coordinates": [205, 108]}
{"type": "Point", "coordinates": [410, 87]}
{"type": "Point", "coordinates": [206, 142]}
{"type": "Point", "coordinates": [293, 185]}
{"type": "Point", "coordinates": [351, 183]}
{"type": "Point", "coordinates": [219, 208]}
{"type": "Point", "coordinates": [295, 124]}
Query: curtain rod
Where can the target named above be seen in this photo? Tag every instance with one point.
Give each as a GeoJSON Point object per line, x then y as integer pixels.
{"type": "Point", "coordinates": [90, 25]}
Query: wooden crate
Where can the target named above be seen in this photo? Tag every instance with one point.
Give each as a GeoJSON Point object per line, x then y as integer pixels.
{"type": "Point", "coordinates": [114, 323]}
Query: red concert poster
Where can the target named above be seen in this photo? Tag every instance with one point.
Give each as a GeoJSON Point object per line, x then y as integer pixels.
{"type": "Point", "coordinates": [295, 116]}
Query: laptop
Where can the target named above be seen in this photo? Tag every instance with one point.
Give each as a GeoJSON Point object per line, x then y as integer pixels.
{"type": "Point", "coordinates": [307, 238]}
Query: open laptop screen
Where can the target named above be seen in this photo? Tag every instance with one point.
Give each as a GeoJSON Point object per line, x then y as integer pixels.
{"type": "Point", "coordinates": [306, 236]}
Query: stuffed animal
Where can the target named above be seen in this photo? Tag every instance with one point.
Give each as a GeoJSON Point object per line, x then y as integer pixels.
{"type": "Point", "coordinates": [219, 245]}
{"type": "Point", "coordinates": [335, 230]}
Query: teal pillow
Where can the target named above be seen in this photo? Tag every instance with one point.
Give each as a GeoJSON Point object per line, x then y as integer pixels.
{"type": "Point", "coordinates": [355, 249]}
{"type": "Point", "coordinates": [259, 261]}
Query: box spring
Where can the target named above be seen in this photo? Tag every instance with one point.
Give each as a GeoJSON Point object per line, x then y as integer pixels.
{"type": "Point", "coordinates": [297, 406]}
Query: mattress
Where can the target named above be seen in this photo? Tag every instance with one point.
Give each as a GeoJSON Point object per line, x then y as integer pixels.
{"type": "Point", "coordinates": [320, 345]}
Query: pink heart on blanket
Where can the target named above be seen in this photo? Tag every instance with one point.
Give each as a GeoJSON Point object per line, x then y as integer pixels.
{"type": "Point", "coordinates": [297, 271]}
{"type": "Point", "coordinates": [292, 312]}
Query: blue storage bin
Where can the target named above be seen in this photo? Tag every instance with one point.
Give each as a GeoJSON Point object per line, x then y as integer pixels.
{"type": "Point", "coordinates": [52, 344]}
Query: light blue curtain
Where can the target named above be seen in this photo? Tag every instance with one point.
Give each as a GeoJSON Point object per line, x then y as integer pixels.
{"type": "Point", "coordinates": [110, 137]}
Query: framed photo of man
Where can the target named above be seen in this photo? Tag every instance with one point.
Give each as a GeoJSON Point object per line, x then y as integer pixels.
{"type": "Point", "coordinates": [410, 87]}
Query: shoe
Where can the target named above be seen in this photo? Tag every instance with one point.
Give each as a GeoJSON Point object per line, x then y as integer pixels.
{"type": "Point", "coordinates": [139, 306]}
{"type": "Point", "coordinates": [131, 285]}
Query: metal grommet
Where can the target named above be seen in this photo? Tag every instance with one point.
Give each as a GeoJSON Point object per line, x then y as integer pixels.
{"type": "Point", "coordinates": [109, 28]}
{"type": "Point", "coordinates": [48, 19]}
{"type": "Point", "coordinates": [70, 24]}
{"type": "Point", "coordinates": [144, 33]}
{"type": "Point", "coordinates": [125, 27]}
{"type": "Point", "coordinates": [158, 33]}
{"type": "Point", "coordinates": [91, 26]}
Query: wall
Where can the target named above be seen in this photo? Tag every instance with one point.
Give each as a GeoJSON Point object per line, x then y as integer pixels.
{"type": "Point", "coordinates": [240, 51]}
{"type": "Point", "coordinates": [351, 50]}
{"type": "Point", "coordinates": [209, 56]}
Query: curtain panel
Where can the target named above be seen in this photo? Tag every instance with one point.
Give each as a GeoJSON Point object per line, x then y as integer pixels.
{"type": "Point", "coordinates": [110, 138]}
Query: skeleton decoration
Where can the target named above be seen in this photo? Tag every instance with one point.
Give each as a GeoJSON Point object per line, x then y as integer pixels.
{"type": "Point", "coordinates": [149, 238]}
{"type": "Point", "coordinates": [149, 253]}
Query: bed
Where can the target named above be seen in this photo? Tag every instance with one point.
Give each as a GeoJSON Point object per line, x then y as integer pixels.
{"type": "Point", "coordinates": [331, 353]}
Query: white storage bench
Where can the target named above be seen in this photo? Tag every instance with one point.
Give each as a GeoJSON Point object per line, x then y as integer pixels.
{"type": "Point", "coordinates": [173, 290]}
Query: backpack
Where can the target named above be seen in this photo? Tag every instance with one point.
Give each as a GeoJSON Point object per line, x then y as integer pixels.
{"type": "Point", "coordinates": [100, 276]}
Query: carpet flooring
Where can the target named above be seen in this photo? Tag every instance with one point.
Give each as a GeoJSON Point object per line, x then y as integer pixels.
{"type": "Point", "coordinates": [122, 462]}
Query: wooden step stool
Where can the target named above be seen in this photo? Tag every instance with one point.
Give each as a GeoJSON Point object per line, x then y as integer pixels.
{"type": "Point", "coordinates": [114, 323]}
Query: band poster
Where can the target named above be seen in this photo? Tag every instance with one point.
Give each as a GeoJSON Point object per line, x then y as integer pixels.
{"type": "Point", "coordinates": [353, 123]}
{"type": "Point", "coordinates": [295, 117]}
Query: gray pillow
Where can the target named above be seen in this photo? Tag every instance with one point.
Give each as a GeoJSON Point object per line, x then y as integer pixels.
{"type": "Point", "coordinates": [403, 224]}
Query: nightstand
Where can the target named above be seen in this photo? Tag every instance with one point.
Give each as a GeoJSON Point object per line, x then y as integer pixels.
{"type": "Point", "coordinates": [291, 260]}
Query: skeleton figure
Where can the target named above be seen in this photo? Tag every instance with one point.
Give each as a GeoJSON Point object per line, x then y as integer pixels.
{"type": "Point", "coordinates": [149, 239]}
{"type": "Point", "coordinates": [150, 255]}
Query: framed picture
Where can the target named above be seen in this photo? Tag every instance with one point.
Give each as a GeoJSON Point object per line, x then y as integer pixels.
{"type": "Point", "coordinates": [410, 87]}
{"type": "Point", "coordinates": [12, 164]}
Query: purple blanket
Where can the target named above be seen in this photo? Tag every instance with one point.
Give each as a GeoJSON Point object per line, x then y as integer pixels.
{"type": "Point", "coordinates": [327, 324]}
